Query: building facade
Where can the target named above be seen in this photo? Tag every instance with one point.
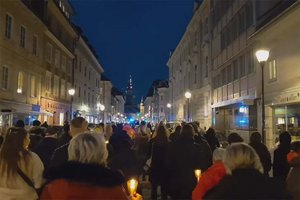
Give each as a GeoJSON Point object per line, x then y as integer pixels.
{"type": "Point", "coordinates": [87, 82]}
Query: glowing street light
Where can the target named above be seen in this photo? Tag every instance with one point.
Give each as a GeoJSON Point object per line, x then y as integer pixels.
{"type": "Point", "coordinates": [262, 56]}
{"type": "Point", "coordinates": [169, 105]}
{"type": "Point", "coordinates": [188, 95]}
{"type": "Point", "coordinates": [71, 92]}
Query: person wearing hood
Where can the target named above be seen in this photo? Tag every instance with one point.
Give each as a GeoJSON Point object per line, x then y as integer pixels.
{"type": "Point", "coordinates": [293, 183]}
{"type": "Point", "coordinates": [262, 151]}
{"type": "Point", "coordinates": [85, 175]}
{"type": "Point", "coordinates": [280, 165]}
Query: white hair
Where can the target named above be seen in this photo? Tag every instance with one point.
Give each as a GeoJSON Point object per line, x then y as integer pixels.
{"type": "Point", "coordinates": [218, 154]}
{"type": "Point", "coordinates": [88, 147]}
{"type": "Point", "coordinates": [241, 155]}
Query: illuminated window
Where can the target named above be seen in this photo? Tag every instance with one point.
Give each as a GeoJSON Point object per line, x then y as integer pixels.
{"type": "Point", "coordinates": [20, 82]}
{"type": "Point", "coordinates": [272, 70]}
{"type": "Point", "coordinates": [32, 86]}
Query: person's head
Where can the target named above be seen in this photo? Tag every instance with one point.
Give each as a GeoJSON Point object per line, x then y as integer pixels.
{"type": "Point", "coordinates": [78, 125]}
{"type": "Point", "coordinates": [218, 154]}
{"type": "Point", "coordinates": [162, 134]}
{"type": "Point", "coordinates": [36, 123]}
{"type": "Point", "coordinates": [187, 131]}
{"type": "Point", "coordinates": [89, 148]}
{"type": "Point", "coordinates": [234, 138]}
{"type": "Point", "coordinates": [16, 141]}
{"type": "Point", "coordinates": [143, 123]}
{"type": "Point", "coordinates": [178, 129]}
{"type": "Point", "coordinates": [20, 124]}
{"type": "Point", "coordinates": [255, 137]}
{"type": "Point", "coordinates": [211, 132]}
{"type": "Point", "coordinates": [51, 131]}
{"type": "Point", "coordinates": [241, 156]}
{"type": "Point", "coordinates": [195, 127]}
{"type": "Point", "coordinates": [101, 125]}
{"type": "Point", "coordinates": [285, 139]}
{"type": "Point", "coordinates": [108, 131]}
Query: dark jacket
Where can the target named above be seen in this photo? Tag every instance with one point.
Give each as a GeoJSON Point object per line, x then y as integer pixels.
{"type": "Point", "coordinates": [184, 156]}
{"type": "Point", "coordinates": [45, 150]}
{"type": "Point", "coordinates": [60, 156]}
{"type": "Point", "coordinates": [264, 155]}
{"type": "Point", "coordinates": [247, 184]}
{"type": "Point", "coordinates": [293, 179]}
{"type": "Point", "coordinates": [211, 139]}
{"type": "Point", "coordinates": [280, 164]}
{"type": "Point", "coordinates": [74, 180]}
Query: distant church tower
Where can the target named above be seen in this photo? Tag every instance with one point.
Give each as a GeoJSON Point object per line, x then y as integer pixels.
{"type": "Point", "coordinates": [130, 106]}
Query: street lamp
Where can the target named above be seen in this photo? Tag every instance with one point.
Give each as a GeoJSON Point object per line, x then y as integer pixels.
{"type": "Point", "coordinates": [71, 92]}
{"type": "Point", "coordinates": [262, 56]}
{"type": "Point", "coordinates": [169, 106]}
{"type": "Point", "coordinates": [102, 108]}
{"type": "Point", "coordinates": [188, 95]}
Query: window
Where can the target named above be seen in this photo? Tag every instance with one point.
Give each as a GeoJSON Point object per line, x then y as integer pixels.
{"type": "Point", "coordinates": [89, 98]}
{"type": "Point", "coordinates": [20, 82]}
{"type": "Point", "coordinates": [34, 44]}
{"type": "Point", "coordinates": [272, 70]}
{"type": "Point", "coordinates": [242, 66]}
{"type": "Point", "coordinates": [48, 52]}
{"type": "Point", "coordinates": [32, 86]}
{"type": "Point", "coordinates": [206, 66]}
{"type": "Point", "coordinates": [8, 26]}
{"type": "Point", "coordinates": [56, 59]}
{"type": "Point", "coordinates": [250, 62]}
{"type": "Point", "coordinates": [195, 75]}
{"type": "Point", "coordinates": [84, 96]}
{"type": "Point", "coordinates": [4, 79]}
{"type": "Point", "coordinates": [48, 82]}
{"type": "Point", "coordinates": [242, 21]}
{"type": "Point", "coordinates": [161, 109]}
{"type": "Point", "coordinates": [62, 89]}
{"type": "Point", "coordinates": [79, 66]}
{"type": "Point", "coordinates": [229, 73]}
{"type": "Point", "coordinates": [85, 71]}
{"type": "Point", "coordinates": [249, 14]}
{"type": "Point", "coordinates": [161, 98]}
{"type": "Point", "coordinates": [69, 67]}
{"type": "Point", "coordinates": [63, 63]}
{"type": "Point", "coordinates": [224, 78]}
{"type": "Point", "coordinates": [235, 70]}
{"type": "Point", "coordinates": [56, 86]}
{"type": "Point", "coordinates": [22, 36]}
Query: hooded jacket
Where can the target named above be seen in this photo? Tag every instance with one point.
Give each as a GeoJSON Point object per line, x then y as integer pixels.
{"type": "Point", "coordinates": [74, 180]}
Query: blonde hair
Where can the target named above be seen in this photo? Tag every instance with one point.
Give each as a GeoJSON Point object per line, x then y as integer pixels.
{"type": "Point", "coordinates": [88, 147]}
{"type": "Point", "coordinates": [241, 155]}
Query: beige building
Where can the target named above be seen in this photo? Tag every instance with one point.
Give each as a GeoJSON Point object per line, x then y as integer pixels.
{"type": "Point", "coordinates": [189, 70]}
{"type": "Point", "coordinates": [87, 83]}
{"type": "Point", "coordinates": [281, 36]}
{"type": "Point", "coordinates": [21, 63]}
{"type": "Point", "coordinates": [106, 98]}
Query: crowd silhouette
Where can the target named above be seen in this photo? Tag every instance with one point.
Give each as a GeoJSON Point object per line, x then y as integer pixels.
{"type": "Point", "coordinates": [82, 161]}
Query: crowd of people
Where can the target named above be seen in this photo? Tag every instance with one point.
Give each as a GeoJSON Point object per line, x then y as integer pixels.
{"type": "Point", "coordinates": [95, 162]}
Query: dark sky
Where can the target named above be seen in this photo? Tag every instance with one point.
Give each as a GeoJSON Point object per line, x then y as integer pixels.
{"type": "Point", "coordinates": [133, 36]}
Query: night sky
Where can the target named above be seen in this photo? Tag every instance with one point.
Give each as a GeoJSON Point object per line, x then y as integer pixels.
{"type": "Point", "coordinates": [133, 36]}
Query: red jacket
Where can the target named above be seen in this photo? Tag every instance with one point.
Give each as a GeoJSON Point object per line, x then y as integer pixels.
{"type": "Point", "coordinates": [83, 181]}
{"type": "Point", "coordinates": [210, 178]}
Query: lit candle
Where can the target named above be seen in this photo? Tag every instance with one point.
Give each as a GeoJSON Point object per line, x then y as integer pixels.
{"type": "Point", "coordinates": [197, 173]}
{"type": "Point", "coordinates": [132, 186]}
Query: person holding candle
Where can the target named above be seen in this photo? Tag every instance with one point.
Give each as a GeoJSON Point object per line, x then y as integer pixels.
{"type": "Point", "coordinates": [85, 175]}
{"type": "Point", "coordinates": [212, 176]}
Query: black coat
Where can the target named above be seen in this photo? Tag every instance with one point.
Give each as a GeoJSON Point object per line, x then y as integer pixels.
{"type": "Point", "coordinates": [247, 184]}
{"type": "Point", "coordinates": [281, 167]}
{"type": "Point", "coordinates": [60, 156]}
{"type": "Point", "coordinates": [264, 155]}
{"type": "Point", "coordinates": [45, 150]}
{"type": "Point", "coordinates": [184, 156]}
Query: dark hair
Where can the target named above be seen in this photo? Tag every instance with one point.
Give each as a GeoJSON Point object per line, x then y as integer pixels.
{"type": "Point", "coordinates": [211, 132]}
{"type": "Point", "coordinates": [143, 123]}
{"type": "Point", "coordinates": [20, 124]}
{"type": "Point", "coordinates": [285, 139]}
{"type": "Point", "coordinates": [77, 122]}
{"type": "Point", "coordinates": [10, 151]}
{"type": "Point", "coordinates": [296, 146]}
{"type": "Point", "coordinates": [51, 130]}
{"type": "Point", "coordinates": [234, 138]}
{"type": "Point", "coordinates": [161, 135]}
{"type": "Point", "coordinates": [101, 125]}
{"type": "Point", "coordinates": [187, 131]}
{"type": "Point", "coordinates": [178, 129]}
{"type": "Point", "coordinates": [36, 123]}
{"type": "Point", "coordinates": [255, 137]}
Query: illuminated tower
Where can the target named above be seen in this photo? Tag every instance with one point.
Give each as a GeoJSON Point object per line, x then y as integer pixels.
{"type": "Point", "coordinates": [131, 109]}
